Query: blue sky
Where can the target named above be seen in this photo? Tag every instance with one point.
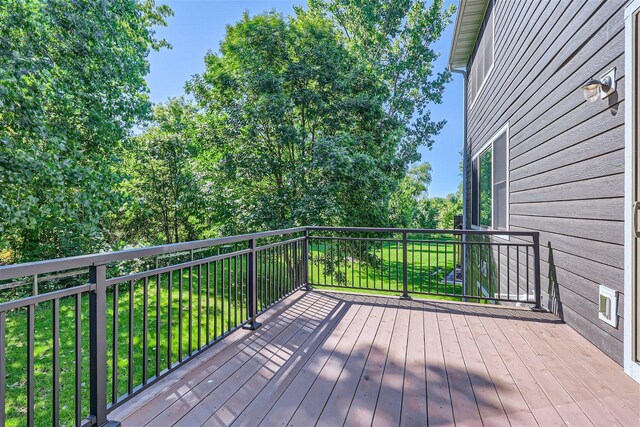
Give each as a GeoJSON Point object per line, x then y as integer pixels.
{"type": "Point", "coordinates": [199, 25]}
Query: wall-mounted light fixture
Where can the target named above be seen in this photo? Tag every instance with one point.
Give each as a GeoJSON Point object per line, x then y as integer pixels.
{"type": "Point", "coordinates": [596, 89]}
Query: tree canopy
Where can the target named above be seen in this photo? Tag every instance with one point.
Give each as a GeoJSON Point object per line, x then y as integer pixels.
{"type": "Point", "coordinates": [72, 86]}
{"type": "Point", "coordinates": [313, 118]}
{"type": "Point", "coordinates": [299, 124]}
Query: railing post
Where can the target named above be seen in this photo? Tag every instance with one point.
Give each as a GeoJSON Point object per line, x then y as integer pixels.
{"type": "Point", "coordinates": [536, 272]}
{"type": "Point", "coordinates": [252, 288]}
{"type": "Point", "coordinates": [405, 270]}
{"type": "Point", "coordinates": [305, 261]}
{"type": "Point", "coordinates": [98, 346]}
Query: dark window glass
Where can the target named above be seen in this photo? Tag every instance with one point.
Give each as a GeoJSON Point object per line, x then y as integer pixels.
{"type": "Point", "coordinates": [485, 188]}
{"type": "Point", "coordinates": [489, 190]}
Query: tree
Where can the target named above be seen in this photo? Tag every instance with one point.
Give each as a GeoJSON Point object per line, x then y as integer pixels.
{"type": "Point", "coordinates": [71, 89]}
{"type": "Point", "coordinates": [405, 203]}
{"type": "Point", "coordinates": [167, 199]}
{"type": "Point", "coordinates": [300, 125]}
{"type": "Point", "coordinates": [395, 37]}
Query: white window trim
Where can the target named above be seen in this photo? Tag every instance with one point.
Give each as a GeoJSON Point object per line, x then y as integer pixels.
{"type": "Point", "coordinates": [631, 367]}
{"type": "Point", "coordinates": [486, 78]}
{"type": "Point", "coordinates": [504, 129]}
{"type": "Point", "coordinates": [493, 48]}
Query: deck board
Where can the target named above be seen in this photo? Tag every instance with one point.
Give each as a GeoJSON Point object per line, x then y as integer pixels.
{"type": "Point", "coordinates": [329, 358]}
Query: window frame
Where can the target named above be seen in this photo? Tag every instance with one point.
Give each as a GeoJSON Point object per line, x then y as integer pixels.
{"type": "Point", "coordinates": [475, 199]}
{"type": "Point", "coordinates": [478, 90]}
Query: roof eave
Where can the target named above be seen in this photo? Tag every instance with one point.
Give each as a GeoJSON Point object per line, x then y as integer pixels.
{"type": "Point", "coordinates": [468, 23]}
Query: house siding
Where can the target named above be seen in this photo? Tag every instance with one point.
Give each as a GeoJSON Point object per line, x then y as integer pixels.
{"type": "Point", "coordinates": [566, 156]}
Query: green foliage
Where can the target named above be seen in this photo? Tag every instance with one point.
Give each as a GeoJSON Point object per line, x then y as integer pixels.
{"type": "Point", "coordinates": [310, 119]}
{"type": "Point", "coordinates": [71, 88]}
{"type": "Point", "coordinates": [299, 123]}
{"type": "Point", "coordinates": [405, 203]}
{"type": "Point", "coordinates": [394, 38]}
{"type": "Point", "coordinates": [167, 199]}
{"type": "Point", "coordinates": [411, 207]}
{"type": "Point", "coordinates": [440, 211]}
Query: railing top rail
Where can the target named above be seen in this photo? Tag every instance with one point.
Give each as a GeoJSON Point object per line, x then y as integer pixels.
{"type": "Point", "coordinates": [54, 265]}
{"type": "Point", "coordinates": [426, 231]}
{"type": "Point", "coordinates": [47, 266]}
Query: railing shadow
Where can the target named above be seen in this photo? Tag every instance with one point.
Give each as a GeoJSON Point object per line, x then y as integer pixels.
{"type": "Point", "coordinates": [554, 303]}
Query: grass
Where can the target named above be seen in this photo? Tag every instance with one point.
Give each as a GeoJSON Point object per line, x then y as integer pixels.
{"type": "Point", "coordinates": [428, 264]}
{"type": "Point", "coordinates": [342, 267]}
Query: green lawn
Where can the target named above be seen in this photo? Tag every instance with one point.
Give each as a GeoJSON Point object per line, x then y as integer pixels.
{"type": "Point", "coordinates": [344, 266]}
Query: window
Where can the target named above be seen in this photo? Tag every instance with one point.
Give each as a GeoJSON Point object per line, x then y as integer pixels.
{"type": "Point", "coordinates": [490, 179]}
{"type": "Point", "coordinates": [481, 61]}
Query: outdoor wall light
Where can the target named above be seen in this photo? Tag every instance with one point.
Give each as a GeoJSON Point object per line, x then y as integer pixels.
{"type": "Point", "coordinates": [596, 89]}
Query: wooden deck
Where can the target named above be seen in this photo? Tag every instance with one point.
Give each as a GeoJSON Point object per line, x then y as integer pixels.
{"type": "Point", "coordinates": [334, 359]}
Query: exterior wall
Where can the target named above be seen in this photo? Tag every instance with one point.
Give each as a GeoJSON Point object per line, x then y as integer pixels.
{"type": "Point", "coordinates": [566, 156]}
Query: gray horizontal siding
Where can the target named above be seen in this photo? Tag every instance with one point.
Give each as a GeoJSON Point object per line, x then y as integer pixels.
{"type": "Point", "coordinates": [566, 155]}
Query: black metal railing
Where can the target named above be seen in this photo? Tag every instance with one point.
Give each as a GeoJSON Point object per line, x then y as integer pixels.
{"type": "Point", "coordinates": [72, 355]}
{"type": "Point", "coordinates": [485, 266]}
{"type": "Point", "coordinates": [95, 346]}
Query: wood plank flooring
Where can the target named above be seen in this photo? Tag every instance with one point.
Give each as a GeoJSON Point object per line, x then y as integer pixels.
{"type": "Point", "coordinates": [332, 359]}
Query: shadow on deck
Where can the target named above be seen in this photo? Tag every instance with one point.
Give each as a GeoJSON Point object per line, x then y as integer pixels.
{"type": "Point", "coordinates": [331, 359]}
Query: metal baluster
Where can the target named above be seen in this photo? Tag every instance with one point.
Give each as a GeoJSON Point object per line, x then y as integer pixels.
{"type": "Point", "coordinates": [145, 330]}
{"type": "Point", "coordinates": [170, 320]}
{"type": "Point", "coordinates": [180, 313]}
{"type": "Point", "coordinates": [518, 272]}
{"type": "Point", "coordinates": [375, 261]}
{"type": "Point", "coordinates": [326, 258]}
{"type": "Point", "coordinates": [527, 258]}
{"type": "Point", "coordinates": [413, 267]}
{"type": "Point", "coordinates": [56, 362]}
{"type": "Point", "coordinates": [215, 300]}
{"type": "Point", "coordinates": [499, 269]}
{"type": "Point", "coordinates": [158, 325]}
{"type": "Point", "coordinates": [437, 267]}
{"type": "Point", "coordinates": [235, 290]}
{"type": "Point", "coordinates": [360, 263]}
{"type": "Point", "coordinates": [366, 265]}
{"type": "Point", "coordinates": [445, 267]}
{"type": "Point", "coordinates": [190, 340]}
{"type": "Point", "coordinates": [429, 265]}
{"type": "Point", "coordinates": [222, 303]}
{"type": "Point", "coordinates": [199, 306]}
{"type": "Point", "coordinates": [3, 366]}
{"type": "Point", "coordinates": [509, 265]}
{"type": "Point", "coordinates": [131, 318]}
{"type": "Point", "coordinates": [30, 366]}
{"type": "Point", "coordinates": [208, 302]}
{"type": "Point", "coordinates": [389, 262]}
{"type": "Point", "coordinates": [421, 270]}
{"type": "Point", "coordinates": [489, 273]}
{"type": "Point", "coordinates": [405, 275]}
{"type": "Point", "coordinates": [397, 261]}
{"type": "Point", "coordinates": [114, 354]}
{"type": "Point", "coordinates": [229, 294]}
